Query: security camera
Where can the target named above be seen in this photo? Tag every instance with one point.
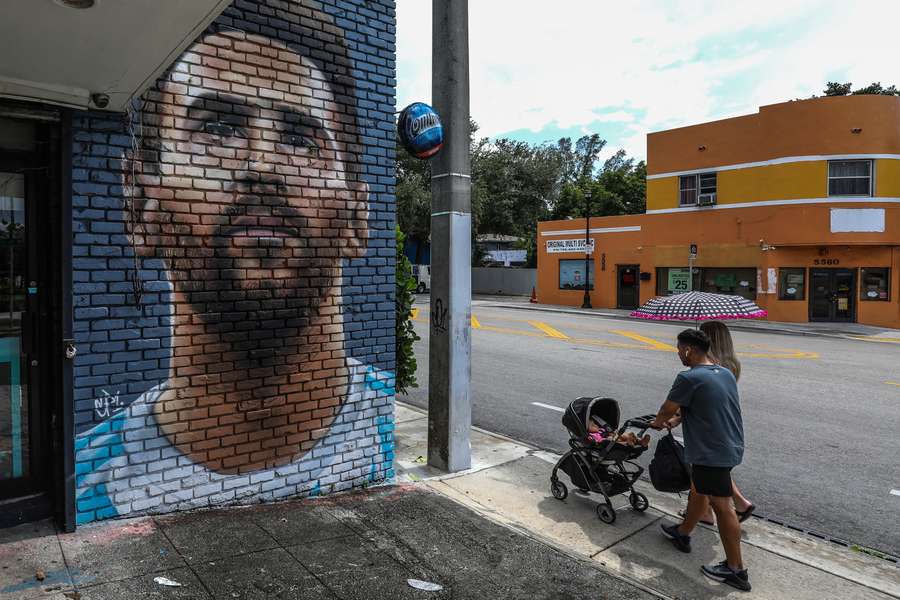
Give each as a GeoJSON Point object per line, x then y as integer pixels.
{"type": "Point", "coordinates": [100, 100]}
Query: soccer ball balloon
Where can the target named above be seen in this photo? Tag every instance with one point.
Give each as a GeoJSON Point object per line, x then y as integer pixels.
{"type": "Point", "coordinates": [420, 129]}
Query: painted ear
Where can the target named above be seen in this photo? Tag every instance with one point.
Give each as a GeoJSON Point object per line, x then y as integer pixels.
{"type": "Point", "coordinates": [354, 231]}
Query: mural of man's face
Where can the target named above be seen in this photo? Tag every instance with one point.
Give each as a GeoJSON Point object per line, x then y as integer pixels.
{"type": "Point", "coordinates": [253, 209]}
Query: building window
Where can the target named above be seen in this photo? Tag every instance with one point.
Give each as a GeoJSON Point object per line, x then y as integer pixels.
{"type": "Point", "coordinates": [697, 189]}
{"type": "Point", "coordinates": [571, 275]}
{"type": "Point", "coordinates": [734, 282]}
{"type": "Point", "coordinates": [850, 178]}
{"type": "Point", "coordinates": [876, 284]}
{"type": "Point", "coordinates": [791, 284]}
{"type": "Point", "coordinates": [688, 190]}
{"type": "Point", "coordinates": [673, 280]}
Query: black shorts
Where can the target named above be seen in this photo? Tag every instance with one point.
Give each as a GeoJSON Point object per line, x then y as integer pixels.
{"type": "Point", "coordinates": [712, 481]}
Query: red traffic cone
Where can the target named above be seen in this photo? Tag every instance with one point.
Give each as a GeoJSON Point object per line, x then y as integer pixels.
{"type": "Point", "coordinates": [533, 298]}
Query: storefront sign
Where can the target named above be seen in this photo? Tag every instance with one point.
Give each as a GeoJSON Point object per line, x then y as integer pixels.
{"type": "Point", "coordinates": [558, 246]}
{"type": "Point", "coordinates": [679, 280]}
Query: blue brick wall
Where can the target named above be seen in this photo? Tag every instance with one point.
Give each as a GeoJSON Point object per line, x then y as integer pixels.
{"type": "Point", "coordinates": [159, 424]}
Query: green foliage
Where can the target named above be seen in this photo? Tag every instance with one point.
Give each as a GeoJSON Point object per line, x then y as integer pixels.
{"type": "Point", "coordinates": [413, 193]}
{"type": "Point", "coordinates": [833, 88]}
{"type": "Point", "coordinates": [516, 184]}
{"type": "Point", "coordinates": [405, 334]}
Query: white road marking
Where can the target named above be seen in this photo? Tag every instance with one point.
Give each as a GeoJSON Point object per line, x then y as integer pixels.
{"type": "Point", "coordinates": [895, 492]}
{"type": "Point", "coordinates": [542, 405]}
{"type": "Point", "coordinates": [547, 457]}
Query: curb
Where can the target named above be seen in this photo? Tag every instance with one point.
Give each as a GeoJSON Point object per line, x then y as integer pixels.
{"type": "Point", "coordinates": [885, 556]}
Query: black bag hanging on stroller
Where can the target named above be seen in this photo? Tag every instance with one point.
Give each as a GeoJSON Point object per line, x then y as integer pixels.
{"type": "Point", "coordinates": [668, 472]}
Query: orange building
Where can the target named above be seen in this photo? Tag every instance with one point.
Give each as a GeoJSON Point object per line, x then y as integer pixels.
{"type": "Point", "coordinates": [796, 207]}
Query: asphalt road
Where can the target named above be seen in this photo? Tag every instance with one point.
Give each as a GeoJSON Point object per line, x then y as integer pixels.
{"type": "Point", "coordinates": [821, 415]}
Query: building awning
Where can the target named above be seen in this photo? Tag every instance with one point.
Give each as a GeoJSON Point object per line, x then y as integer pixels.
{"type": "Point", "coordinates": [94, 53]}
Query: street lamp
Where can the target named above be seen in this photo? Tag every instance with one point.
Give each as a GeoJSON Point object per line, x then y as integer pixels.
{"type": "Point", "coordinates": [587, 241]}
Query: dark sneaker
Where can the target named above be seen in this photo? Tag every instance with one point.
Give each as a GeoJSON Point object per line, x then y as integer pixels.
{"type": "Point", "coordinates": [679, 540]}
{"type": "Point", "coordinates": [722, 572]}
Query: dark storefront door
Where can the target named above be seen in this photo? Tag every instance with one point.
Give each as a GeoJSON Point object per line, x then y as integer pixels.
{"type": "Point", "coordinates": [26, 270]}
{"type": "Point", "coordinates": [628, 286]}
{"type": "Point", "coordinates": [833, 295]}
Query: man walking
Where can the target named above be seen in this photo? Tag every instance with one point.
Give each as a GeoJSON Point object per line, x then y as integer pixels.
{"type": "Point", "coordinates": [707, 398]}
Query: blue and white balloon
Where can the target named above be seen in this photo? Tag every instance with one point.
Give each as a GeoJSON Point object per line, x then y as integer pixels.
{"type": "Point", "coordinates": [420, 129]}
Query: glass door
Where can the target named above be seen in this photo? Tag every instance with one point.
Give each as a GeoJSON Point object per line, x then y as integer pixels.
{"type": "Point", "coordinates": [15, 330]}
{"type": "Point", "coordinates": [844, 295]}
{"type": "Point", "coordinates": [628, 288]}
{"type": "Point", "coordinates": [832, 295]}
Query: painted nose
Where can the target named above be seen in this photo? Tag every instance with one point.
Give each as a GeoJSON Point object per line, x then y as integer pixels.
{"type": "Point", "coordinates": [258, 161]}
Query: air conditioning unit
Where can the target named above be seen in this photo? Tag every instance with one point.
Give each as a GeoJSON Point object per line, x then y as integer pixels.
{"type": "Point", "coordinates": [707, 199]}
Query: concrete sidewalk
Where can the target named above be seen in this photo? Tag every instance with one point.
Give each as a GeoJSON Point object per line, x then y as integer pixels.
{"type": "Point", "coordinates": [509, 483]}
{"type": "Point", "coordinates": [491, 532]}
{"type": "Point", "coordinates": [363, 545]}
{"type": "Point", "coordinates": [842, 330]}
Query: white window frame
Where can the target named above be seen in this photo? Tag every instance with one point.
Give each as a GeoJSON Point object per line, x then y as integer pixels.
{"type": "Point", "coordinates": [696, 178]}
{"type": "Point", "coordinates": [870, 177]}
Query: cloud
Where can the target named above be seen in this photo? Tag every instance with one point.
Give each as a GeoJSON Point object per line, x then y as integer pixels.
{"type": "Point", "coordinates": [648, 65]}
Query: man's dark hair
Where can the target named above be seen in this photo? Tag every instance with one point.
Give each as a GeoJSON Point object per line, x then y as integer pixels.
{"type": "Point", "coordinates": [694, 338]}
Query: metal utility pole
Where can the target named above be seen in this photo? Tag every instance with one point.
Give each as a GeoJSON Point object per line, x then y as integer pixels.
{"type": "Point", "coordinates": [450, 343]}
{"type": "Point", "coordinates": [586, 303]}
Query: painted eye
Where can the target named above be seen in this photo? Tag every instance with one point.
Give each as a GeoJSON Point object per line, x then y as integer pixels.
{"type": "Point", "coordinates": [220, 129]}
{"type": "Point", "coordinates": [302, 142]}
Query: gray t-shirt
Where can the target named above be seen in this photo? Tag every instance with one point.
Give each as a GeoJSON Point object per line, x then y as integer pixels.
{"type": "Point", "coordinates": [711, 416]}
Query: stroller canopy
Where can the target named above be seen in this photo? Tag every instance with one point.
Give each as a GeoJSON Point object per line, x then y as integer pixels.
{"type": "Point", "coordinates": [580, 410]}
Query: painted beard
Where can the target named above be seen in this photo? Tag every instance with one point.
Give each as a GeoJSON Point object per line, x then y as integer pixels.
{"type": "Point", "coordinates": [265, 343]}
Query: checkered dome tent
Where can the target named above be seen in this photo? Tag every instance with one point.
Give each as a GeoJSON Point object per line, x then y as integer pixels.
{"type": "Point", "coordinates": [699, 306]}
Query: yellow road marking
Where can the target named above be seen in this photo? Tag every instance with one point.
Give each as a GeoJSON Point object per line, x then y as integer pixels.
{"type": "Point", "coordinates": [874, 339]}
{"type": "Point", "coordinates": [796, 354]}
{"type": "Point", "coordinates": [656, 345]}
{"type": "Point", "coordinates": [511, 331]}
{"type": "Point", "coordinates": [645, 343]}
{"type": "Point", "coordinates": [549, 331]}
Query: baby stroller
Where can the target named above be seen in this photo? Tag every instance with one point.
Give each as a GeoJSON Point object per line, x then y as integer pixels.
{"type": "Point", "coordinates": [606, 467]}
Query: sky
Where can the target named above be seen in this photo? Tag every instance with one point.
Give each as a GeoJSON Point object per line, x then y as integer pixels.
{"type": "Point", "coordinates": [626, 68]}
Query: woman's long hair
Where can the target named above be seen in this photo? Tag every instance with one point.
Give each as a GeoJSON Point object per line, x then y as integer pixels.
{"type": "Point", "coordinates": [721, 348]}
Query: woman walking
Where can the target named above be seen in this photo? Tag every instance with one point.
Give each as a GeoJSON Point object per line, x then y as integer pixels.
{"type": "Point", "coordinates": [721, 351]}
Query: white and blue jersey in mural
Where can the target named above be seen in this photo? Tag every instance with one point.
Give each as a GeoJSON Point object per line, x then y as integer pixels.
{"type": "Point", "coordinates": [127, 466]}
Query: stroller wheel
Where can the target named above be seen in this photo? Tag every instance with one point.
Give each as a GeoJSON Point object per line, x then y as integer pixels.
{"type": "Point", "coordinates": [606, 513]}
{"type": "Point", "coordinates": [638, 501]}
{"type": "Point", "coordinates": [558, 489]}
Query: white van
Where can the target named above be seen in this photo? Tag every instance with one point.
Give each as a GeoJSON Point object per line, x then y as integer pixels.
{"type": "Point", "coordinates": [422, 273]}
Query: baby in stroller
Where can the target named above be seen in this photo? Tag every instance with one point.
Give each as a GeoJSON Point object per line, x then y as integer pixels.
{"type": "Point", "coordinates": [599, 431]}
{"type": "Point", "coordinates": [601, 454]}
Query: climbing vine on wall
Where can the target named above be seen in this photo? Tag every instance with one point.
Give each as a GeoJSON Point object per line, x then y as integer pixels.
{"type": "Point", "coordinates": [406, 335]}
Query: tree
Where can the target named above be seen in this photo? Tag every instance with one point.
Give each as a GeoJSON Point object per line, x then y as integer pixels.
{"type": "Point", "coordinates": [413, 193]}
{"type": "Point", "coordinates": [624, 184]}
{"type": "Point", "coordinates": [579, 163]}
{"type": "Point", "coordinates": [833, 88]}
{"type": "Point", "coordinates": [516, 184]}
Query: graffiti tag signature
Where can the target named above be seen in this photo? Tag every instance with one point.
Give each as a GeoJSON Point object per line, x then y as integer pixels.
{"type": "Point", "coordinates": [106, 404]}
